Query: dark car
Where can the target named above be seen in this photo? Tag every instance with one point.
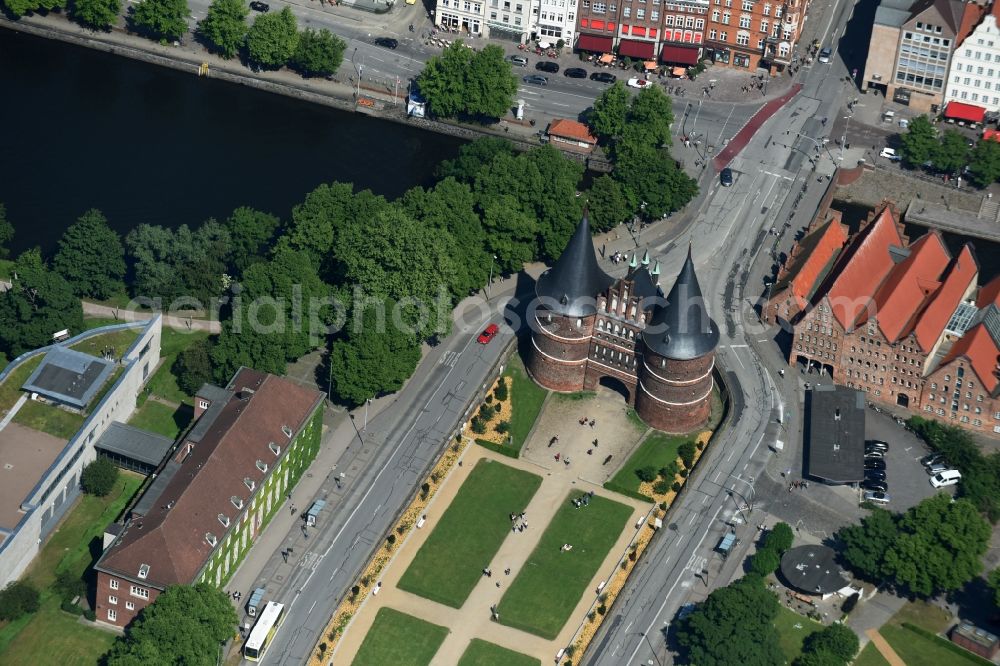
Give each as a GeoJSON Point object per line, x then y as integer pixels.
{"type": "Point", "coordinates": [875, 464]}
{"type": "Point", "coordinates": [871, 484]}
{"type": "Point", "coordinates": [876, 444]}
{"type": "Point", "coordinates": [726, 177]}
{"type": "Point", "coordinates": [874, 475]}
{"type": "Point", "coordinates": [386, 42]}
{"type": "Point", "coordinates": [932, 459]}
{"type": "Point", "coordinates": [536, 80]}
{"type": "Point", "coordinates": [547, 66]}
{"type": "Point", "coordinates": [872, 454]}
{"type": "Point", "coordinates": [575, 73]}
{"type": "Point", "coordinates": [603, 77]}
{"type": "Point", "coordinates": [260, 7]}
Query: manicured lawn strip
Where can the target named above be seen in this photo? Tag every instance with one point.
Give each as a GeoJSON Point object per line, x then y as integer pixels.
{"type": "Point", "coordinates": [162, 419]}
{"type": "Point", "coordinates": [120, 341]}
{"type": "Point", "coordinates": [10, 390]}
{"type": "Point", "coordinates": [791, 638]}
{"type": "Point", "coordinates": [399, 639]}
{"type": "Point", "coordinates": [925, 615]}
{"type": "Point", "coordinates": [49, 418]}
{"type": "Point", "coordinates": [483, 653]}
{"type": "Point", "coordinates": [656, 451]}
{"type": "Point", "coordinates": [526, 402]}
{"type": "Point", "coordinates": [870, 656]}
{"type": "Point", "coordinates": [546, 590]}
{"type": "Point", "coordinates": [450, 563]}
{"type": "Point", "coordinates": [916, 649]}
{"type": "Point", "coordinates": [52, 632]}
{"type": "Point", "coordinates": [163, 382]}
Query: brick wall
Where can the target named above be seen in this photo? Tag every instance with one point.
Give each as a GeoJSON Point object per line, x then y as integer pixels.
{"type": "Point", "coordinates": [123, 596]}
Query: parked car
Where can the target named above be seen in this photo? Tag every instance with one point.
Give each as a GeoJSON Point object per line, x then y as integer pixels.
{"type": "Point", "coordinates": [261, 7]}
{"type": "Point", "coordinates": [639, 83]}
{"type": "Point", "coordinates": [876, 444]}
{"type": "Point", "coordinates": [949, 477]}
{"type": "Point", "coordinates": [890, 154]}
{"type": "Point", "coordinates": [937, 468]}
{"type": "Point", "coordinates": [575, 73]}
{"type": "Point", "coordinates": [488, 334]}
{"type": "Point", "coordinates": [386, 42]}
{"type": "Point", "coordinates": [824, 55]}
{"type": "Point", "coordinates": [874, 455]}
{"type": "Point", "coordinates": [932, 459]}
{"type": "Point", "coordinates": [603, 77]}
{"type": "Point", "coordinates": [876, 497]}
{"type": "Point", "coordinates": [547, 66]}
{"type": "Point", "coordinates": [520, 61]}
{"type": "Point", "coordinates": [871, 463]}
{"type": "Point", "coordinates": [726, 177]}
{"type": "Point", "coordinates": [537, 80]}
{"type": "Point", "coordinates": [874, 475]}
{"type": "Point", "coordinates": [879, 486]}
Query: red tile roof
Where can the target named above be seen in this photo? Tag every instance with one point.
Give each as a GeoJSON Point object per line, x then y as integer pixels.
{"type": "Point", "coordinates": [934, 318]}
{"type": "Point", "coordinates": [826, 241]}
{"type": "Point", "coordinates": [909, 285]}
{"type": "Point", "coordinates": [978, 347]}
{"type": "Point", "coordinates": [989, 293]}
{"type": "Point", "coordinates": [972, 13]}
{"type": "Point", "coordinates": [866, 264]}
{"type": "Point", "coordinates": [172, 540]}
{"type": "Point", "coordinates": [571, 129]}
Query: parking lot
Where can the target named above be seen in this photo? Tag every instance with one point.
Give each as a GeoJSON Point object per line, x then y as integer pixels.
{"type": "Point", "coordinates": [908, 482]}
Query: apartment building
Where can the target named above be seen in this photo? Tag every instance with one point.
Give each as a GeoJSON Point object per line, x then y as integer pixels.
{"type": "Point", "coordinates": [552, 20]}
{"type": "Point", "coordinates": [466, 16]}
{"type": "Point", "coordinates": [974, 75]}
{"type": "Point", "coordinates": [752, 34]}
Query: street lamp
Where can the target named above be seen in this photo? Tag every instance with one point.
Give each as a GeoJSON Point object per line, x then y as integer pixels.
{"type": "Point", "coordinates": [843, 137]}
{"type": "Point", "coordinates": [489, 285]}
{"type": "Point", "coordinates": [651, 648]}
{"type": "Point", "coordinates": [367, 402]}
{"type": "Point", "coordinates": [360, 68]}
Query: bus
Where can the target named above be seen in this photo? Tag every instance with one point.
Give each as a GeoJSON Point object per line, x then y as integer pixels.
{"type": "Point", "coordinates": [263, 632]}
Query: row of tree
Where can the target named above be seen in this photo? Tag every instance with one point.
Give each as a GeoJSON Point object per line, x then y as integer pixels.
{"type": "Point", "coordinates": [462, 82]}
{"type": "Point", "coordinates": [948, 152]}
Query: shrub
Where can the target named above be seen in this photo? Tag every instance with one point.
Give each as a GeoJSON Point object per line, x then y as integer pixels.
{"type": "Point", "coordinates": [478, 426]}
{"type": "Point", "coordinates": [686, 452]}
{"type": "Point", "coordinates": [701, 446]}
{"type": "Point", "coordinates": [69, 607]}
{"type": "Point", "coordinates": [661, 487]}
{"type": "Point", "coordinates": [501, 390]}
{"type": "Point", "coordinates": [355, 591]}
{"type": "Point", "coordinates": [486, 412]}
{"type": "Point", "coordinates": [90, 614]}
{"type": "Point", "coordinates": [676, 487]}
{"type": "Point", "coordinates": [602, 609]}
{"type": "Point", "coordinates": [17, 599]}
{"type": "Point", "coordinates": [99, 477]}
{"type": "Point", "coordinates": [765, 562]}
{"type": "Point", "coordinates": [502, 427]}
{"type": "Point", "coordinates": [669, 471]}
{"type": "Point", "coordinates": [646, 474]}
{"type": "Point", "coordinates": [684, 472]}
{"type": "Point", "coordinates": [780, 538]}
{"type": "Point", "coordinates": [489, 398]}
{"type": "Point", "coordinates": [425, 489]}
{"type": "Point", "coordinates": [69, 586]}
{"type": "Point", "coordinates": [836, 639]}
{"type": "Point", "coordinates": [391, 539]}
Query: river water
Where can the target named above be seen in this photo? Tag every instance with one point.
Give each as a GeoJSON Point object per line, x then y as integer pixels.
{"type": "Point", "coordinates": [83, 129]}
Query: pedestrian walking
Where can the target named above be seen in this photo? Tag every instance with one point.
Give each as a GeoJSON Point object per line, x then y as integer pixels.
{"type": "Point", "coordinates": [507, 571]}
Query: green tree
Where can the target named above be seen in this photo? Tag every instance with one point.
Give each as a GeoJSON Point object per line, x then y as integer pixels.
{"type": "Point", "coordinates": [370, 359]}
{"type": "Point", "coordinates": [160, 19]}
{"type": "Point", "coordinates": [821, 658]}
{"type": "Point", "coordinates": [646, 474]}
{"type": "Point", "coordinates": [319, 220]}
{"type": "Point", "coordinates": [69, 585]}
{"type": "Point", "coordinates": [952, 152]}
{"type": "Point", "coordinates": [939, 547]}
{"type": "Point", "coordinates": [97, 14]}
{"type": "Point", "coordinates": [993, 580]}
{"type": "Point", "coordinates": [649, 117]}
{"type": "Point", "coordinates": [181, 266]}
{"type": "Point", "coordinates": [319, 53]}
{"type": "Point", "coordinates": [39, 303]}
{"type": "Point", "coordinates": [6, 232]}
{"type": "Point", "coordinates": [780, 538]}
{"type": "Point", "coordinates": [193, 366]}
{"type": "Point", "coordinates": [473, 157]}
{"type": "Point", "coordinates": [489, 84]}
{"type": "Point", "coordinates": [985, 162]}
{"type": "Point", "coordinates": [606, 203]}
{"type": "Point", "coordinates": [442, 80]}
{"type": "Point", "coordinates": [734, 625]}
{"type": "Point", "coordinates": [225, 26]}
{"type": "Point", "coordinates": [650, 176]}
{"type": "Point", "coordinates": [837, 639]}
{"type": "Point", "coordinates": [765, 561]}
{"type": "Point", "coordinates": [919, 143]}
{"type": "Point", "coordinates": [865, 545]}
{"type": "Point", "coordinates": [21, 7]}
{"type": "Point", "coordinates": [91, 257]}
{"type": "Point", "coordinates": [686, 452]}
{"type": "Point", "coordinates": [17, 599]}
{"type": "Point", "coordinates": [607, 118]}
{"type": "Point", "coordinates": [251, 233]}
{"type": "Point", "coordinates": [99, 477]}
{"type": "Point", "coordinates": [185, 625]}
{"type": "Point", "coordinates": [272, 39]}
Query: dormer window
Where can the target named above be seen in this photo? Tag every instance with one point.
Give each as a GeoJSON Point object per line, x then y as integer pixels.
{"type": "Point", "coordinates": [237, 502]}
{"type": "Point", "coordinates": [143, 571]}
{"type": "Point", "coordinates": [210, 538]}
{"type": "Point", "coordinates": [262, 466]}
{"type": "Point", "coordinates": [275, 449]}
{"type": "Point", "coordinates": [224, 519]}
{"type": "Point", "coordinates": [248, 482]}
{"type": "Point", "coordinates": [288, 431]}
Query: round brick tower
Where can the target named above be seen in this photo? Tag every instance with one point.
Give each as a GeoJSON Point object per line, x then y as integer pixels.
{"type": "Point", "coordinates": [562, 320]}
{"type": "Point", "coordinates": [675, 376]}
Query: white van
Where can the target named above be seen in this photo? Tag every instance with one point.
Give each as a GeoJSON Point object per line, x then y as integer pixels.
{"type": "Point", "coordinates": [889, 154]}
{"type": "Point", "coordinates": [949, 477]}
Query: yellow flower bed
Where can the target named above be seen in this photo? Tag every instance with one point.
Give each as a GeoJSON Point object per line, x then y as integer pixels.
{"type": "Point", "coordinates": [491, 435]}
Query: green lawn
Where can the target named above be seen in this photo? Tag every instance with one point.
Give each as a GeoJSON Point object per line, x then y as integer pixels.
{"type": "Point", "coordinates": [542, 597]}
{"type": "Point", "coordinates": [74, 546]}
{"type": "Point", "coordinates": [793, 630]}
{"type": "Point", "coordinates": [120, 341]}
{"type": "Point", "coordinates": [526, 402]}
{"type": "Point", "coordinates": [163, 382]}
{"type": "Point", "coordinates": [482, 653]}
{"type": "Point", "coordinates": [469, 533]}
{"type": "Point", "coordinates": [49, 418]}
{"type": "Point", "coordinates": [657, 450]}
{"type": "Point", "coordinates": [870, 656]}
{"type": "Point", "coordinates": [10, 390]}
{"type": "Point", "coordinates": [399, 639]}
{"type": "Point", "coordinates": [925, 615]}
{"type": "Point", "coordinates": [162, 419]}
{"type": "Point", "coordinates": [918, 650]}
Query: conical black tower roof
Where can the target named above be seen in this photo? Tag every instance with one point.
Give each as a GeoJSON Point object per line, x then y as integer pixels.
{"type": "Point", "coordinates": [572, 285]}
{"type": "Point", "coordinates": [681, 329]}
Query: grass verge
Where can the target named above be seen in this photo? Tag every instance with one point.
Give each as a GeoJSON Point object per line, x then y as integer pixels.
{"type": "Point", "coordinates": [483, 653]}
{"type": "Point", "coordinates": [399, 639]}
{"type": "Point", "coordinates": [870, 656]}
{"type": "Point", "coordinates": [10, 390]}
{"type": "Point", "coordinates": [656, 451]}
{"type": "Point", "coordinates": [162, 419]}
{"type": "Point", "coordinates": [526, 403]}
{"type": "Point", "coordinates": [793, 629]}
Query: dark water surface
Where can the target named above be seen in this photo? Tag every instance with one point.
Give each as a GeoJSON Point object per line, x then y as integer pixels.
{"type": "Point", "coordinates": [82, 129]}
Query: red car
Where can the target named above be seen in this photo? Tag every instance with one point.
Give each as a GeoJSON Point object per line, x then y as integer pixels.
{"type": "Point", "coordinates": [488, 334]}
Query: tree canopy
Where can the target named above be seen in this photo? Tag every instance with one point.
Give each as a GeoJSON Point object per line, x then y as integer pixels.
{"type": "Point", "coordinates": [160, 19]}
{"type": "Point", "coordinates": [22, 7]}
{"type": "Point", "coordinates": [193, 366]}
{"type": "Point", "coordinates": [6, 232]}
{"type": "Point", "coordinates": [91, 257]}
{"type": "Point", "coordinates": [38, 304]}
{"type": "Point", "coordinates": [98, 14]}
{"type": "Point", "coordinates": [607, 118]}
{"type": "Point", "coordinates": [463, 82]}
{"type": "Point", "coordinates": [99, 477]}
{"type": "Point", "coordinates": [952, 152]}
{"type": "Point", "coordinates": [273, 38]}
{"type": "Point", "coordinates": [606, 203]}
{"type": "Point", "coordinates": [985, 162]}
{"type": "Point", "coordinates": [251, 234]}
{"type": "Point", "coordinates": [919, 142]}
{"type": "Point", "coordinates": [225, 26]}
{"type": "Point", "coordinates": [837, 640]}
{"type": "Point", "coordinates": [178, 266]}
{"type": "Point", "coordinates": [319, 53]}
{"type": "Point", "coordinates": [185, 625]}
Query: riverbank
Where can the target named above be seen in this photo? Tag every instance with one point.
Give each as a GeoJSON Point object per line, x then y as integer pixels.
{"type": "Point", "coordinates": [194, 60]}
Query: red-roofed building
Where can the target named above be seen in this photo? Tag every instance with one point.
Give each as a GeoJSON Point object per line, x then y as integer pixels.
{"type": "Point", "coordinates": [228, 473]}
{"type": "Point", "coordinates": [571, 134]}
{"type": "Point", "coordinates": [962, 389]}
{"type": "Point", "coordinates": [971, 76]}
{"type": "Point", "coordinates": [989, 293]}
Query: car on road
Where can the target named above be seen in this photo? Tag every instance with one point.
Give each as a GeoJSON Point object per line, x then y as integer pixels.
{"type": "Point", "coordinates": [639, 83]}
{"type": "Point", "coordinates": [876, 444]}
{"type": "Point", "coordinates": [603, 77]}
{"type": "Point", "coordinates": [824, 55]}
{"type": "Point", "coordinates": [890, 154]}
{"type": "Point", "coordinates": [520, 61]}
{"type": "Point", "coordinates": [726, 177]}
{"type": "Point", "coordinates": [949, 477]}
{"type": "Point", "coordinates": [575, 73]}
{"type": "Point", "coordinates": [871, 463]}
{"type": "Point", "coordinates": [874, 475]}
{"type": "Point", "coordinates": [386, 42]}
{"type": "Point", "coordinates": [537, 80]}
{"type": "Point", "coordinates": [876, 497]}
{"type": "Point", "coordinates": [879, 486]}
{"type": "Point", "coordinates": [547, 66]}
{"type": "Point", "coordinates": [488, 334]}
{"type": "Point", "coordinates": [261, 7]}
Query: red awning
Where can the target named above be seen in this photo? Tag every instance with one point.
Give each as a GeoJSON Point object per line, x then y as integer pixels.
{"type": "Point", "coordinates": [968, 112]}
{"type": "Point", "coordinates": [634, 49]}
{"type": "Point", "coordinates": [679, 55]}
{"type": "Point", "coordinates": [594, 43]}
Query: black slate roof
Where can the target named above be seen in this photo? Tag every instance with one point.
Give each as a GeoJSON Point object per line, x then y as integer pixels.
{"type": "Point", "coordinates": [682, 329]}
{"type": "Point", "coordinates": [834, 434]}
{"type": "Point", "coordinates": [571, 286]}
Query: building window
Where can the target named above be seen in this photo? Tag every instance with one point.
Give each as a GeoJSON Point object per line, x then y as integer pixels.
{"type": "Point", "coordinates": [129, 605]}
{"type": "Point", "coordinates": [140, 592]}
{"type": "Point", "coordinates": [262, 466]}
{"type": "Point", "coordinates": [224, 519]}
{"type": "Point", "coordinates": [112, 614]}
{"type": "Point", "coordinates": [114, 584]}
{"type": "Point", "coordinates": [275, 449]}
{"type": "Point", "coordinates": [203, 404]}
{"type": "Point", "coordinates": [744, 21]}
{"type": "Point", "coordinates": [237, 502]}
{"type": "Point", "coordinates": [113, 600]}
{"type": "Point", "coordinates": [640, 13]}
{"type": "Point", "coordinates": [249, 483]}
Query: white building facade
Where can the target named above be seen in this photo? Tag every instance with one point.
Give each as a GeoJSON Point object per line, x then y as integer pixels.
{"type": "Point", "coordinates": [468, 17]}
{"type": "Point", "coordinates": [552, 20]}
{"type": "Point", "coordinates": [974, 76]}
{"type": "Point", "coordinates": [508, 19]}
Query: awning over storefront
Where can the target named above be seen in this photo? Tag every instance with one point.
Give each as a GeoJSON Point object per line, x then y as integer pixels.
{"type": "Point", "coordinates": [594, 43]}
{"type": "Point", "coordinates": [607, 59]}
{"type": "Point", "coordinates": [679, 72]}
{"type": "Point", "coordinates": [679, 55]}
{"type": "Point", "coordinates": [967, 112]}
{"type": "Point", "coordinates": [649, 64]}
{"type": "Point", "coordinates": [635, 49]}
